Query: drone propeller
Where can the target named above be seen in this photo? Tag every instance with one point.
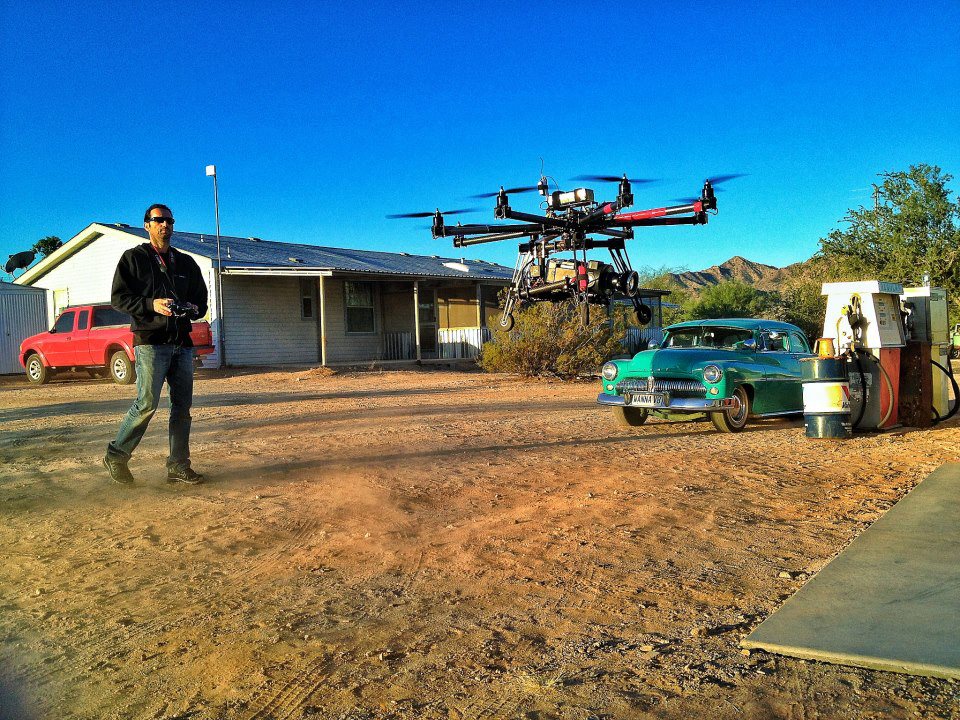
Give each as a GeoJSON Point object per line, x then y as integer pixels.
{"type": "Point", "coordinates": [715, 180]}
{"type": "Point", "coordinates": [614, 178]}
{"type": "Point", "coordinates": [523, 189]}
{"type": "Point", "coordinates": [432, 214]}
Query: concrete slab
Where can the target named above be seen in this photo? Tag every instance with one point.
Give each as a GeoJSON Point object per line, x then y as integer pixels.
{"type": "Point", "coordinates": [891, 600]}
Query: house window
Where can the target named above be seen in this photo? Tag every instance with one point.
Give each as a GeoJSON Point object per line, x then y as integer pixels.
{"type": "Point", "coordinates": [307, 301]}
{"type": "Point", "coordinates": [359, 306]}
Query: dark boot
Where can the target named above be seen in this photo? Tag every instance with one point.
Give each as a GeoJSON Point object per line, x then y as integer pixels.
{"type": "Point", "coordinates": [183, 474]}
{"type": "Point", "coordinates": [119, 472]}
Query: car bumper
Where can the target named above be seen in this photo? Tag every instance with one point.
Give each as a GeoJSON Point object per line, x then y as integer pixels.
{"type": "Point", "coordinates": [674, 404]}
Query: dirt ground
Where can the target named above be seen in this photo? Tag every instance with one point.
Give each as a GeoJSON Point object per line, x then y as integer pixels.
{"type": "Point", "coordinates": [427, 544]}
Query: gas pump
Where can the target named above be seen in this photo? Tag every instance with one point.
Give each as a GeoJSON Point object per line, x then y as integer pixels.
{"type": "Point", "coordinates": [863, 321]}
{"type": "Point", "coordinates": [925, 311]}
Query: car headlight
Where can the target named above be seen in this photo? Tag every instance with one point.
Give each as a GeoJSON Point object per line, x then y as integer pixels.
{"type": "Point", "coordinates": [712, 374]}
{"type": "Point", "coordinates": [609, 371]}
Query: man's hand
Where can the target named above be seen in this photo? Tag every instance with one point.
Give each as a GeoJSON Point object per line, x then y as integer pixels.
{"type": "Point", "coordinates": [161, 306]}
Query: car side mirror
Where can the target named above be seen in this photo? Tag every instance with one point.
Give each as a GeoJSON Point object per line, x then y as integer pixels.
{"type": "Point", "coordinates": [748, 345]}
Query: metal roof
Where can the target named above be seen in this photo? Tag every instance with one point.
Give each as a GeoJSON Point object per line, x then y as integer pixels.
{"type": "Point", "coordinates": [239, 254]}
{"type": "Point", "coordinates": [8, 287]}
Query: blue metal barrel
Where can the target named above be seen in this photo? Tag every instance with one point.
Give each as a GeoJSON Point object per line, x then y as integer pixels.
{"type": "Point", "coordinates": [826, 397]}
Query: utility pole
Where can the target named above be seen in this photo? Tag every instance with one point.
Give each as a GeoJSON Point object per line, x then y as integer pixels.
{"type": "Point", "coordinates": [212, 172]}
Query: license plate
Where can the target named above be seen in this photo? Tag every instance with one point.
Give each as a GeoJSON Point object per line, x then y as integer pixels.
{"type": "Point", "coordinates": [649, 400]}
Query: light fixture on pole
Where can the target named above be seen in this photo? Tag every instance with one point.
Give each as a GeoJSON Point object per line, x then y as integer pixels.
{"type": "Point", "coordinates": [212, 172]}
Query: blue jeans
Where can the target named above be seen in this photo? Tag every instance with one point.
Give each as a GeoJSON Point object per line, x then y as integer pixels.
{"type": "Point", "coordinates": [156, 364]}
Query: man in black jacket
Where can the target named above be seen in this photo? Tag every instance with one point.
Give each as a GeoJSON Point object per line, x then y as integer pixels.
{"type": "Point", "coordinates": [162, 289]}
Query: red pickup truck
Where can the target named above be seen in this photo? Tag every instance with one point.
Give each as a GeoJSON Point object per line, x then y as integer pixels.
{"type": "Point", "coordinates": [95, 337]}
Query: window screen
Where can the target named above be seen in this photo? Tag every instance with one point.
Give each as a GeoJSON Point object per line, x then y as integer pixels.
{"type": "Point", "coordinates": [359, 306]}
{"type": "Point", "coordinates": [306, 298]}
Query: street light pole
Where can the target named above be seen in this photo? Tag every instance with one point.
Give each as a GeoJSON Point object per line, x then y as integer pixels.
{"type": "Point", "coordinates": [212, 172]}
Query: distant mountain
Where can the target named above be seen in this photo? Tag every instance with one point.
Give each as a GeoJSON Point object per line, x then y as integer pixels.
{"type": "Point", "coordinates": [762, 277]}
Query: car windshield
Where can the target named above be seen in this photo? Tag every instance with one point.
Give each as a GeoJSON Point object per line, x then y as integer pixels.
{"type": "Point", "coordinates": [706, 337]}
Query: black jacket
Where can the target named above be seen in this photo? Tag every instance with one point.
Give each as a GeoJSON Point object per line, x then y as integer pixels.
{"type": "Point", "coordinates": [141, 278]}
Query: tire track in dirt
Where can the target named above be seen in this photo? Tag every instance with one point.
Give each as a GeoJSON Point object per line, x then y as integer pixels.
{"type": "Point", "coordinates": [293, 693]}
{"type": "Point", "coordinates": [96, 649]}
{"type": "Point", "coordinates": [273, 559]}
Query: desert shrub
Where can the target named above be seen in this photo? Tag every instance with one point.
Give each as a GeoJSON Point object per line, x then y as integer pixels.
{"type": "Point", "coordinates": [549, 339]}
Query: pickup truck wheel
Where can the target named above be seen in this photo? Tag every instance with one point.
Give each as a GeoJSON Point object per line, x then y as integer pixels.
{"type": "Point", "coordinates": [37, 372]}
{"type": "Point", "coordinates": [734, 419]}
{"type": "Point", "coordinates": [630, 416]}
{"type": "Point", "coordinates": [121, 369]}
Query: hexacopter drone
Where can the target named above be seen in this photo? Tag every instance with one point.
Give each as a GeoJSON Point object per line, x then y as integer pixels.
{"type": "Point", "coordinates": [569, 220]}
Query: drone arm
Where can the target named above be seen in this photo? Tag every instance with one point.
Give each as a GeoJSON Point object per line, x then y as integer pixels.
{"type": "Point", "coordinates": [599, 212]}
{"type": "Point", "coordinates": [457, 230]}
{"type": "Point", "coordinates": [624, 234]}
{"type": "Point", "coordinates": [460, 241]}
{"type": "Point", "coordinates": [628, 219]}
{"type": "Point", "coordinates": [699, 219]}
{"type": "Point", "coordinates": [540, 220]}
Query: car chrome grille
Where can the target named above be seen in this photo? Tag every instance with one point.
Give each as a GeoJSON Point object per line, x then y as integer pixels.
{"type": "Point", "coordinates": [678, 388]}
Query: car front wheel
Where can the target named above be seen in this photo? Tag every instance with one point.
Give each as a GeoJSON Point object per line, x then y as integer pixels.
{"type": "Point", "coordinates": [121, 369]}
{"type": "Point", "coordinates": [630, 416]}
{"type": "Point", "coordinates": [37, 372]}
{"type": "Point", "coordinates": [733, 419]}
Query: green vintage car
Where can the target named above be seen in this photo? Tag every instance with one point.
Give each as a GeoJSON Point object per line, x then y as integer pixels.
{"type": "Point", "coordinates": [730, 369]}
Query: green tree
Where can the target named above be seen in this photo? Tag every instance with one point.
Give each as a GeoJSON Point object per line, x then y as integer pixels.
{"type": "Point", "coordinates": [728, 299]}
{"type": "Point", "coordinates": [45, 246]}
{"type": "Point", "coordinates": [912, 230]}
{"type": "Point", "coordinates": [549, 339]}
{"type": "Point", "coordinates": [661, 279]}
{"type": "Point", "coordinates": [798, 299]}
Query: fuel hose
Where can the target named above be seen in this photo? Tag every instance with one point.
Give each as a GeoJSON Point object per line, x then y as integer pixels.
{"type": "Point", "coordinates": [956, 391]}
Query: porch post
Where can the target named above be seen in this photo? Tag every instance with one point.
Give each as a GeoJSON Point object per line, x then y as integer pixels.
{"type": "Point", "coordinates": [479, 308]}
{"type": "Point", "coordinates": [416, 315]}
{"type": "Point", "coordinates": [323, 323]}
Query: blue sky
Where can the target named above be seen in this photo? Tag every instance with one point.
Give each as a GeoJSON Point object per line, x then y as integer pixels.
{"type": "Point", "coordinates": [323, 117]}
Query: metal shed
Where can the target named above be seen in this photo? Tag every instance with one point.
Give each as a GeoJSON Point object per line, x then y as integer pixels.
{"type": "Point", "coordinates": [23, 312]}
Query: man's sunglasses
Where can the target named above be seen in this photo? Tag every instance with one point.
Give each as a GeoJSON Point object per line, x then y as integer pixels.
{"type": "Point", "coordinates": [168, 220]}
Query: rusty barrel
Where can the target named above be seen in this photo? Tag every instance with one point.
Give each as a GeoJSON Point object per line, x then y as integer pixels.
{"type": "Point", "coordinates": [826, 397]}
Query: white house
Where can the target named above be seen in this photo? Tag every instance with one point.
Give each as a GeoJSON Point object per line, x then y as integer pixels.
{"type": "Point", "coordinates": [282, 303]}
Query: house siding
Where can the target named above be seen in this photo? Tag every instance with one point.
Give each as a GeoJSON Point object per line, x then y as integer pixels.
{"type": "Point", "coordinates": [85, 277]}
{"type": "Point", "coordinates": [344, 347]}
{"type": "Point", "coordinates": [262, 322]}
